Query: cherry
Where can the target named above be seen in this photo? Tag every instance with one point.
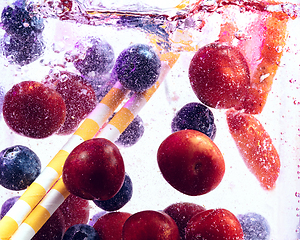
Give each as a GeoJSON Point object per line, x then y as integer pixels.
{"type": "Point", "coordinates": [191, 162]}
{"type": "Point", "coordinates": [219, 75]}
{"type": "Point", "coordinates": [149, 225]}
{"type": "Point", "coordinates": [94, 170]}
{"type": "Point", "coordinates": [34, 110]}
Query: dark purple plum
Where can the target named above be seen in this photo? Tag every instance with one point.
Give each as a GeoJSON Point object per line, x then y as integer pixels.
{"type": "Point", "coordinates": [92, 57]}
{"type": "Point", "coordinates": [120, 199]}
{"type": "Point", "coordinates": [19, 167]}
{"type": "Point", "coordinates": [22, 51]}
{"type": "Point", "coordinates": [7, 205]}
{"type": "Point", "coordinates": [21, 22]}
{"type": "Point", "coordinates": [137, 67]}
{"type": "Point", "coordinates": [81, 232]}
{"type": "Point", "coordinates": [254, 226]}
{"type": "Point", "coordinates": [132, 133]}
{"type": "Point", "coordinates": [195, 116]}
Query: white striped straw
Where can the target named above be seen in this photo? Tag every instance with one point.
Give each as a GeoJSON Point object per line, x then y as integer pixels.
{"type": "Point", "coordinates": [38, 189]}
{"type": "Point", "coordinates": [120, 121]}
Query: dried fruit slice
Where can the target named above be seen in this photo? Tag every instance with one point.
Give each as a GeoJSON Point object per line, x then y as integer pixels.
{"type": "Point", "coordinates": [256, 147]}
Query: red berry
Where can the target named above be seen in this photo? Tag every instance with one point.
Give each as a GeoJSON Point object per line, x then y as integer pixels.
{"type": "Point", "coordinates": [34, 110]}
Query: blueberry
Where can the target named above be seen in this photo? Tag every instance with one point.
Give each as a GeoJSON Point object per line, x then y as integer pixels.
{"type": "Point", "coordinates": [93, 57]}
{"type": "Point", "coordinates": [197, 117]}
{"type": "Point", "coordinates": [120, 199]}
{"type": "Point", "coordinates": [17, 21]}
{"type": "Point", "coordinates": [7, 205]}
{"type": "Point", "coordinates": [19, 167]}
{"type": "Point", "coordinates": [81, 232]}
{"type": "Point", "coordinates": [132, 133]}
{"type": "Point", "coordinates": [137, 67]}
{"type": "Point", "coordinates": [22, 51]}
{"type": "Point", "coordinates": [255, 226]}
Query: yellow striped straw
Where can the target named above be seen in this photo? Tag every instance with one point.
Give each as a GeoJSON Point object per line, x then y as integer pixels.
{"type": "Point", "coordinates": [38, 189]}
{"type": "Point", "coordinates": [111, 131]}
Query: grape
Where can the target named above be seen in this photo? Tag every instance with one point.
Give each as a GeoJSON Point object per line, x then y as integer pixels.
{"type": "Point", "coordinates": [75, 210]}
{"type": "Point", "coordinates": [197, 117]}
{"type": "Point", "coordinates": [132, 133]}
{"type": "Point", "coordinates": [137, 67]}
{"type": "Point", "coordinates": [92, 57]}
{"type": "Point", "coordinates": [7, 205]}
{"type": "Point", "coordinates": [79, 96]}
{"type": "Point", "coordinates": [17, 21]}
{"type": "Point", "coordinates": [22, 51]}
{"type": "Point", "coordinates": [33, 109]}
{"type": "Point", "coordinates": [19, 167]}
{"type": "Point", "coordinates": [81, 231]}
{"type": "Point", "coordinates": [254, 226]}
{"type": "Point", "coordinates": [53, 229]}
{"type": "Point", "coordinates": [120, 199]}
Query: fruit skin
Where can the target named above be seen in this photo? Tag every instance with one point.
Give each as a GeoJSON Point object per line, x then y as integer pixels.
{"type": "Point", "coordinates": [219, 76]}
{"type": "Point", "coordinates": [81, 231]}
{"type": "Point", "coordinates": [255, 146]}
{"type": "Point", "coordinates": [93, 57]}
{"type": "Point", "coordinates": [110, 225]}
{"type": "Point", "coordinates": [149, 225]}
{"type": "Point", "coordinates": [137, 67]}
{"type": "Point", "coordinates": [75, 210]}
{"type": "Point", "coordinates": [94, 170]}
{"type": "Point", "coordinates": [191, 162]}
{"type": "Point", "coordinates": [120, 199]}
{"type": "Point", "coordinates": [7, 205]}
{"type": "Point", "coordinates": [181, 213]}
{"type": "Point", "coordinates": [254, 226]}
{"type": "Point", "coordinates": [33, 110]}
{"type": "Point", "coordinates": [79, 96]}
{"type": "Point", "coordinates": [19, 167]}
{"type": "Point", "coordinates": [214, 224]}
{"type": "Point", "coordinates": [195, 116]}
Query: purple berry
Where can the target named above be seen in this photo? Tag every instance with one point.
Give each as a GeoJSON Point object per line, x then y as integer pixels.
{"type": "Point", "coordinates": [254, 226]}
{"type": "Point", "coordinates": [96, 217]}
{"type": "Point", "coordinates": [137, 67]}
{"type": "Point", "coordinates": [19, 167]}
{"type": "Point", "coordinates": [80, 232]}
{"type": "Point", "coordinates": [195, 116]}
{"type": "Point", "coordinates": [120, 199]}
{"type": "Point", "coordinates": [7, 205]}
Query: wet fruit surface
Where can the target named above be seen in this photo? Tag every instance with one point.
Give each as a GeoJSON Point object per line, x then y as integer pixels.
{"type": "Point", "coordinates": [33, 110]}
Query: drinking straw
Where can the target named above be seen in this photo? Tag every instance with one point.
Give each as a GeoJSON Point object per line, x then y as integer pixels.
{"type": "Point", "coordinates": [120, 121]}
{"type": "Point", "coordinates": [38, 189]}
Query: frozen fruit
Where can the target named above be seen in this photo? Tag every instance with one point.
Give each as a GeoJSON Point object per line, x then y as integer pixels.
{"type": "Point", "coordinates": [120, 199]}
{"type": "Point", "coordinates": [7, 205]}
{"type": "Point", "coordinates": [75, 210]}
{"type": "Point", "coordinates": [110, 225]}
{"type": "Point", "coordinates": [81, 231]}
{"type": "Point", "coordinates": [94, 170]}
{"type": "Point", "coordinates": [92, 57]}
{"type": "Point", "coordinates": [181, 213]}
{"type": "Point", "coordinates": [132, 133]}
{"type": "Point", "coordinates": [79, 96]}
{"type": "Point", "coordinates": [33, 110]}
{"type": "Point", "coordinates": [22, 51]}
{"type": "Point", "coordinates": [53, 229]}
{"type": "Point", "coordinates": [255, 146]}
{"type": "Point", "coordinates": [19, 21]}
{"type": "Point", "coordinates": [195, 116]}
{"type": "Point", "coordinates": [214, 224]}
{"type": "Point", "coordinates": [219, 76]}
{"type": "Point", "coordinates": [137, 67]}
{"type": "Point", "coordinates": [149, 225]}
{"type": "Point", "coordinates": [191, 162]}
{"type": "Point", "coordinates": [19, 167]}
{"type": "Point", "coordinates": [254, 226]}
